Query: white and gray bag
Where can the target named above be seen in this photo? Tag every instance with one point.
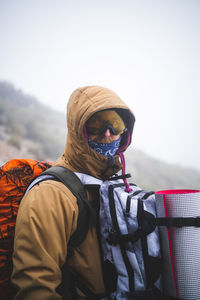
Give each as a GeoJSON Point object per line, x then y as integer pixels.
{"type": "Point", "coordinates": [130, 241]}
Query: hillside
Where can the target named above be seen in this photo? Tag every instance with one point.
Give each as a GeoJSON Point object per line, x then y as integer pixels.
{"type": "Point", "coordinates": [154, 174]}
{"type": "Point", "coordinates": [30, 129]}
{"type": "Point", "coordinates": [28, 125]}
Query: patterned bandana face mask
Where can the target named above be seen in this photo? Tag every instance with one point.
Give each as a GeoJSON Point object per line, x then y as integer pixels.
{"type": "Point", "coordinates": [105, 149]}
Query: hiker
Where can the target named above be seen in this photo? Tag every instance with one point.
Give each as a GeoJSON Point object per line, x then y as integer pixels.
{"type": "Point", "coordinates": [100, 127]}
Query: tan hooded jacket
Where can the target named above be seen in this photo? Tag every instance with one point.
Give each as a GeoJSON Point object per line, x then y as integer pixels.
{"type": "Point", "coordinates": [48, 213]}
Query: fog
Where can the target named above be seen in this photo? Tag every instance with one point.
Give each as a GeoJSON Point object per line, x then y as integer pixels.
{"type": "Point", "coordinates": [147, 51]}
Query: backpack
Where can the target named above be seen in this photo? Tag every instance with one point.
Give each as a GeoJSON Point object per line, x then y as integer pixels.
{"type": "Point", "coordinates": [15, 178]}
{"type": "Point", "coordinates": [130, 242]}
{"type": "Point", "coordinates": [130, 227]}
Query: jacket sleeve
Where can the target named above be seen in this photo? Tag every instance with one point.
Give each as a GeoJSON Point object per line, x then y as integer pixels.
{"type": "Point", "coordinates": [46, 219]}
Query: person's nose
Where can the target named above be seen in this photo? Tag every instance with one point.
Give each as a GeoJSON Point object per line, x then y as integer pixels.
{"type": "Point", "coordinates": [107, 133]}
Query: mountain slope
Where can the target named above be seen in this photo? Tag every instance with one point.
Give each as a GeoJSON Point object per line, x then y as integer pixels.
{"type": "Point", "coordinates": [154, 174]}
{"type": "Point", "coordinates": [23, 118]}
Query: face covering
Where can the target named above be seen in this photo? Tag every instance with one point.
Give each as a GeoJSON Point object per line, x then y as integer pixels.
{"type": "Point", "coordinates": [105, 149]}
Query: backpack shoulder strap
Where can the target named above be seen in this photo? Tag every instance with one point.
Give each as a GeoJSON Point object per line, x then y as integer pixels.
{"type": "Point", "coordinates": [69, 179]}
{"type": "Point", "coordinates": [73, 183]}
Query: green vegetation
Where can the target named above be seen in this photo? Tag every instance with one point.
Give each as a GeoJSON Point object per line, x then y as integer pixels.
{"type": "Point", "coordinates": [14, 140]}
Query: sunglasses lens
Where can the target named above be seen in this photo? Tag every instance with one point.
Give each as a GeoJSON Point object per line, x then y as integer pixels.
{"type": "Point", "coordinates": [101, 121]}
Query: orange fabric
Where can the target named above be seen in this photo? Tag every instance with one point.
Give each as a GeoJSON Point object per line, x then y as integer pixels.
{"type": "Point", "coordinates": [15, 177]}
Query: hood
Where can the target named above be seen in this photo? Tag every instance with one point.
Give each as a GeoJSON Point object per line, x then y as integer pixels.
{"type": "Point", "coordinates": [78, 156]}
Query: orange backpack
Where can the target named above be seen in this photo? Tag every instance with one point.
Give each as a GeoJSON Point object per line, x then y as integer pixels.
{"type": "Point", "coordinates": [15, 176]}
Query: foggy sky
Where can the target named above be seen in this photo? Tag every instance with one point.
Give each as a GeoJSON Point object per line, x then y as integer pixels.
{"type": "Point", "coordinates": [147, 51]}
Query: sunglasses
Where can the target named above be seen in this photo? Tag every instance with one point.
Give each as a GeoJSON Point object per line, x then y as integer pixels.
{"type": "Point", "coordinates": [103, 120]}
{"type": "Point", "coordinates": [102, 130]}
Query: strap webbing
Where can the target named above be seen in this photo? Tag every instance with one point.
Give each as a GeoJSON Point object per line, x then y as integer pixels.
{"type": "Point", "coordinates": [178, 221]}
{"type": "Point", "coordinates": [140, 216]}
{"type": "Point", "coordinates": [73, 183]}
{"type": "Point", "coordinates": [68, 178]}
{"type": "Point", "coordinates": [120, 177]}
{"type": "Point", "coordinates": [122, 245]}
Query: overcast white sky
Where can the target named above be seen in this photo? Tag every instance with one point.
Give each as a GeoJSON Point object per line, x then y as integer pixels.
{"type": "Point", "coordinates": [145, 50]}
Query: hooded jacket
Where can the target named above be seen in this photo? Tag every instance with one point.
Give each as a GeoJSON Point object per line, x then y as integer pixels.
{"type": "Point", "coordinates": [48, 213]}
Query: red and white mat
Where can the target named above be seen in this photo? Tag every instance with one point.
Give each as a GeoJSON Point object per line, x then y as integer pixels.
{"type": "Point", "coordinates": [180, 245]}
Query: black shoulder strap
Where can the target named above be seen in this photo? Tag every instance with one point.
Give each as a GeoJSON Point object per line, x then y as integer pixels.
{"type": "Point", "coordinates": [116, 229]}
{"type": "Point", "coordinates": [70, 180]}
{"type": "Point", "coordinates": [178, 221]}
{"type": "Point", "coordinates": [67, 287]}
